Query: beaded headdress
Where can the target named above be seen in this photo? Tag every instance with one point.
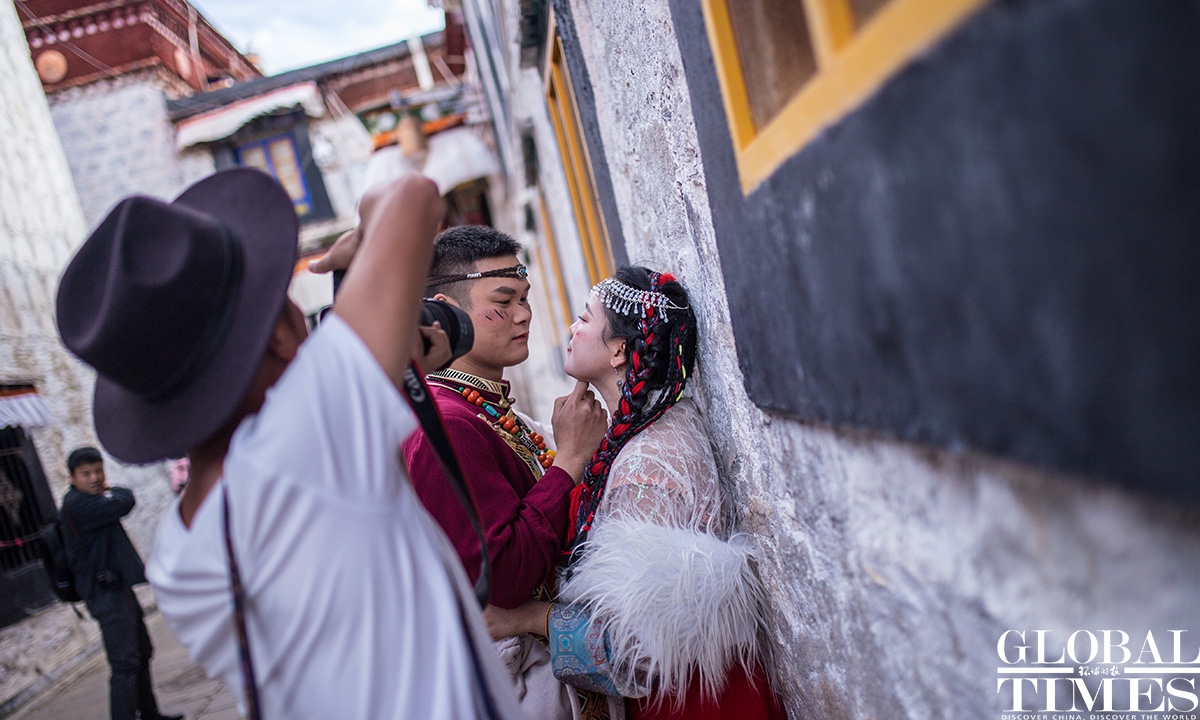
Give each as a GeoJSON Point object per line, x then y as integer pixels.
{"type": "Point", "coordinates": [628, 300]}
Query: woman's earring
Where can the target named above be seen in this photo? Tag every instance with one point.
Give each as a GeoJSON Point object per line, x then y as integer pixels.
{"type": "Point", "coordinates": [620, 380]}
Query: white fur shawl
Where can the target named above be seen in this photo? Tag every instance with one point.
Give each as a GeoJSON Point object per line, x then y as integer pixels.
{"type": "Point", "coordinates": [672, 601]}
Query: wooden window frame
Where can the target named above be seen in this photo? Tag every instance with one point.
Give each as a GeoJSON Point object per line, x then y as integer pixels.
{"type": "Point", "coordinates": [548, 255]}
{"type": "Point", "coordinates": [304, 206]}
{"type": "Point", "coordinates": [577, 164]}
{"type": "Point", "coordinates": [851, 66]}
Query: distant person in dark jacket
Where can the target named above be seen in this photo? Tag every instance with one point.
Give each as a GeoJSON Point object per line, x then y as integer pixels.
{"type": "Point", "coordinates": [106, 568]}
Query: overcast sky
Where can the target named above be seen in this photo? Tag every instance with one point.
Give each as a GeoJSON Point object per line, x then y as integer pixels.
{"type": "Point", "coordinates": [288, 34]}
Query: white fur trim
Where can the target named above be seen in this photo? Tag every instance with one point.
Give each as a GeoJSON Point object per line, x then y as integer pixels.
{"type": "Point", "coordinates": [672, 601]}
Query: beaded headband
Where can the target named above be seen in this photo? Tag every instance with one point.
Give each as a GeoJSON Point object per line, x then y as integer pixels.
{"type": "Point", "coordinates": [627, 300]}
{"type": "Point", "coordinates": [520, 272]}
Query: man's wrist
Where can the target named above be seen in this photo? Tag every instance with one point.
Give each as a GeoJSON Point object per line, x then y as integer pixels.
{"type": "Point", "coordinates": [571, 466]}
{"type": "Point", "coordinates": [537, 618]}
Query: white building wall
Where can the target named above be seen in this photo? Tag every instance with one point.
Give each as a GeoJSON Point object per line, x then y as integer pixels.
{"type": "Point", "coordinates": [41, 223]}
{"type": "Point", "coordinates": [195, 163]}
{"type": "Point", "coordinates": [891, 568]}
{"type": "Point", "coordinates": [119, 141]}
{"type": "Point", "coordinates": [341, 147]}
{"type": "Point", "coordinates": [540, 379]}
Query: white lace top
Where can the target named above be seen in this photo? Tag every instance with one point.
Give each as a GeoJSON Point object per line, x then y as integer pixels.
{"type": "Point", "coordinates": [667, 475]}
{"type": "Point", "coordinates": [662, 594]}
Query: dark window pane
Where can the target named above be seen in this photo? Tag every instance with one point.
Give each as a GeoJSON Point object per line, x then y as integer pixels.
{"type": "Point", "coordinates": [775, 51]}
{"type": "Point", "coordinates": [277, 157]}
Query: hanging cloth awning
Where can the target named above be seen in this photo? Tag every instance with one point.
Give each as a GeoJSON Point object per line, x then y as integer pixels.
{"type": "Point", "coordinates": [225, 121]}
{"type": "Point", "coordinates": [24, 407]}
{"type": "Point", "coordinates": [457, 156]}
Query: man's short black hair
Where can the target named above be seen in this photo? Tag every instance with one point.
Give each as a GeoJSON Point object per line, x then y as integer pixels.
{"type": "Point", "coordinates": [83, 456]}
{"type": "Point", "coordinates": [458, 249]}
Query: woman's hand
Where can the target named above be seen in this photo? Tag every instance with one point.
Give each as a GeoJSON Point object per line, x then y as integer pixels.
{"type": "Point", "coordinates": [532, 617]}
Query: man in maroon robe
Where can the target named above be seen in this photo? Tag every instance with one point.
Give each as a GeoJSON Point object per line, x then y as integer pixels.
{"type": "Point", "coordinates": [522, 490]}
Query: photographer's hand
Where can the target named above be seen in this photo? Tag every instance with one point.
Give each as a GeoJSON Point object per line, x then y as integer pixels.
{"type": "Point", "coordinates": [390, 254]}
{"type": "Point", "coordinates": [579, 423]}
{"type": "Point", "coordinates": [346, 246]}
{"type": "Point", "coordinates": [439, 353]}
{"type": "Point", "coordinates": [339, 255]}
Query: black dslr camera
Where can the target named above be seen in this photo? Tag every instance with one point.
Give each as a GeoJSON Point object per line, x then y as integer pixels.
{"type": "Point", "coordinates": [455, 323]}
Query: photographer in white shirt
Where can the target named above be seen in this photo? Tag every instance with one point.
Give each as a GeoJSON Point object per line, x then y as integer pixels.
{"type": "Point", "coordinates": [355, 605]}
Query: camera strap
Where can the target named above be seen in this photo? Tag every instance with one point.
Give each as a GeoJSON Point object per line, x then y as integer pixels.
{"type": "Point", "coordinates": [246, 662]}
{"type": "Point", "coordinates": [424, 408]}
{"type": "Point", "coordinates": [421, 401]}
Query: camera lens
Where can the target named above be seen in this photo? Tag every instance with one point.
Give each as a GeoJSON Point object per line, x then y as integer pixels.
{"type": "Point", "coordinates": [455, 323]}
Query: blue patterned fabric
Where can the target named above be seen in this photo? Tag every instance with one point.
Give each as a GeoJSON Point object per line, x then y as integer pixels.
{"type": "Point", "coordinates": [579, 650]}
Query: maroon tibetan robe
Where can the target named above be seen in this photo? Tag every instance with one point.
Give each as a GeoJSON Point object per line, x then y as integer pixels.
{"type": "Point", "coordinates": [524, 519]}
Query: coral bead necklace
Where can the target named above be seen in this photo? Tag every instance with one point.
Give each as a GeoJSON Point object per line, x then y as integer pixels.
{"type": "Point", "coordinates": [502, 415]}
{"type": "Point", "coordinates": [499, 414]}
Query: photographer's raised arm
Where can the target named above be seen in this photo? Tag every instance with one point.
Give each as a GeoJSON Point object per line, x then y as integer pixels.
{"type": "Point", "coordinates": [388, 256]}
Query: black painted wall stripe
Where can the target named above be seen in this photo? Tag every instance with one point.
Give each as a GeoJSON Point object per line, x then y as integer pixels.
{"type": "Point", "coordinates": [999, 250]}
{"type": "Point", "coordinates": [585, 102]}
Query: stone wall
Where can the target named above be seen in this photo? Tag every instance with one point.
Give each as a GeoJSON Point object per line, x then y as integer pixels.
{"type": "Point", "coordinates": [119, 141]}
{"type": "Point", "coordinates": [41, 223]}
{"type": "Point", "coordinates": [195, 164]}
{"type": "Point", "coordinates": [891, 569]}
{"type": "Point", "coordinates": [341, 148]}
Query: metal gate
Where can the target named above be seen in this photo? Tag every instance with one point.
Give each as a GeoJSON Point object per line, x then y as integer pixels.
{"type": "Point", "coordinates": [26, 505]}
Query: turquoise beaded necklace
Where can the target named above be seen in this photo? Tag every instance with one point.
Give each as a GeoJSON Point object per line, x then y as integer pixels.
{"type": "Point", "coordinates": [499, 414]}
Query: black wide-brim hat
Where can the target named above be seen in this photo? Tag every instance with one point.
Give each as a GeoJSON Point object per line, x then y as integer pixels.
{"type": "Point", "coordinates": [174, 304]}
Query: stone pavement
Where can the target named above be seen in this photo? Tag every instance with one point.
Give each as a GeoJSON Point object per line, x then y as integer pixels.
{"type": "Point", "coordinates": [180, 686]}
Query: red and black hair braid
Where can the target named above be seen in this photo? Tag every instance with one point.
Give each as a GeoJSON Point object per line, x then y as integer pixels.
{"type": "Point", "coordinates": [660, 351]}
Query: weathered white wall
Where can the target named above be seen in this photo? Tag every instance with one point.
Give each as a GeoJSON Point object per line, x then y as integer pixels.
{"type": "Point", "coordinates": [118, 140]}
{"type": "Point", "coordinates": [196, 163]}
{"type": "Point", "coordinates": [341, 147]}
{"type": "Point", "coordinates": [41, 223]}
{"type": "Point", "coordinates": [892, 569]}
